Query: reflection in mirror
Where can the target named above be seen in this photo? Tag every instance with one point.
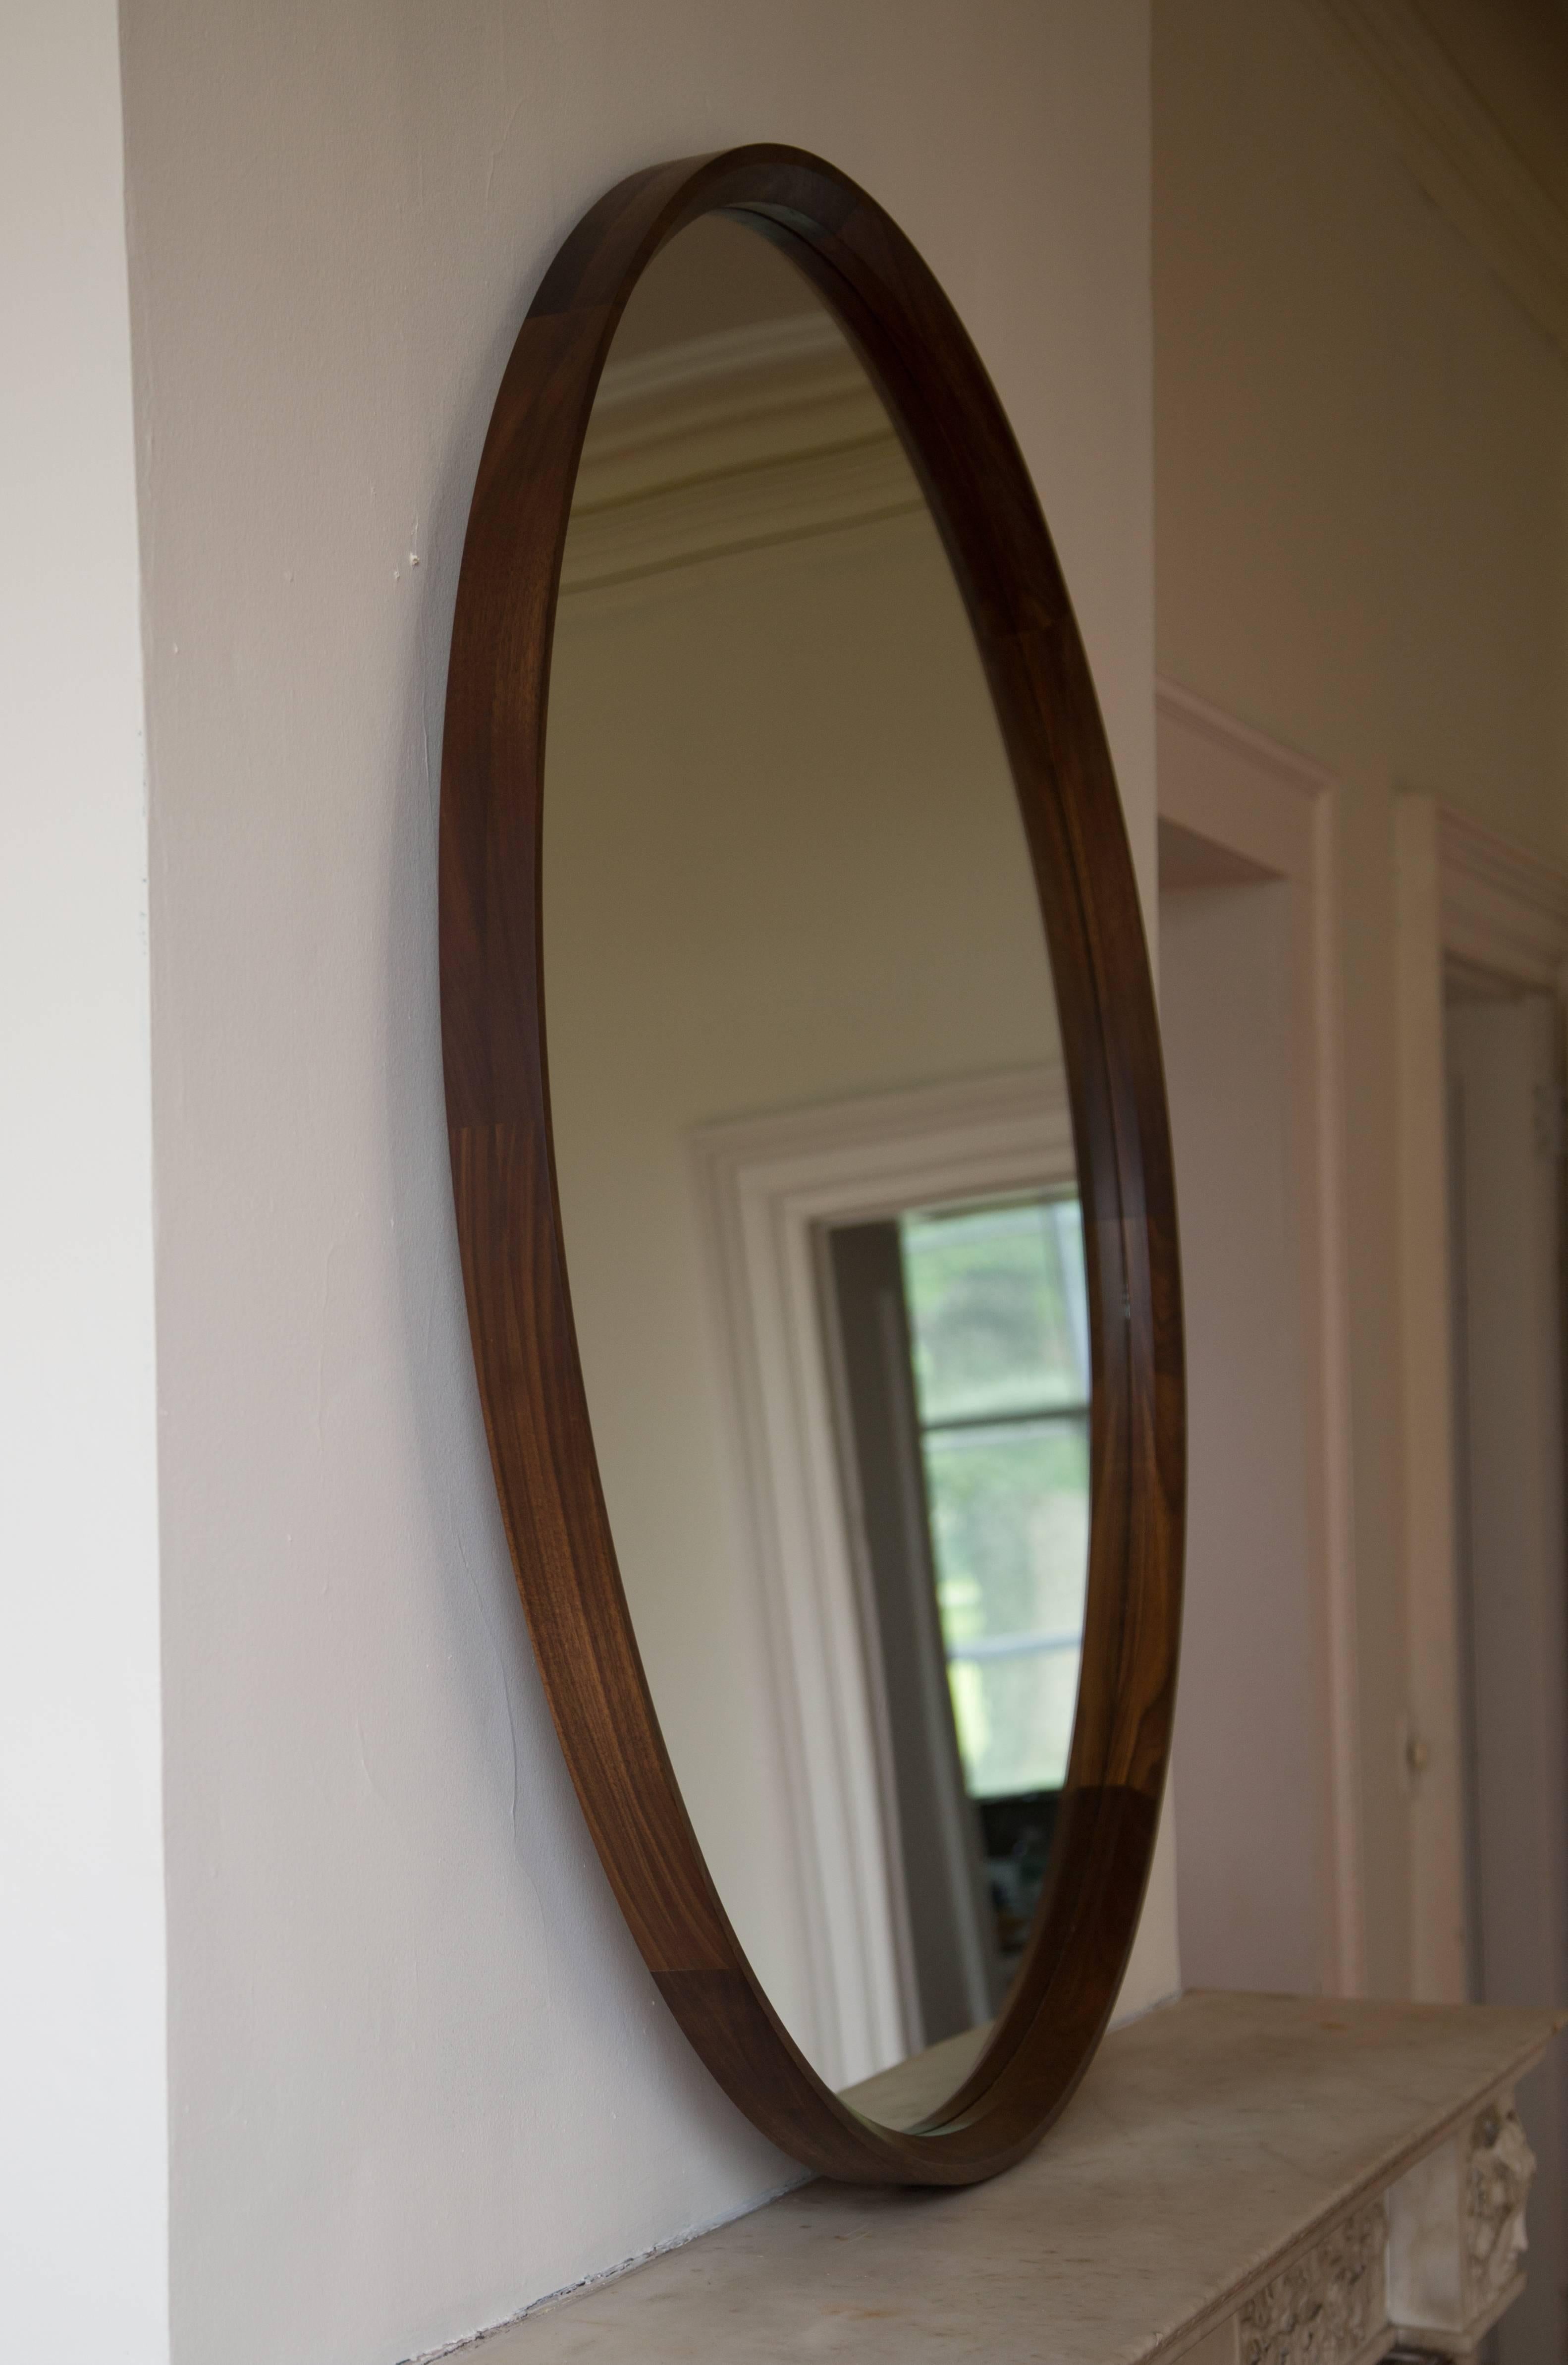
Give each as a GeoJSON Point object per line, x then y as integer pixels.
{"type": "Point", "coordinates": [816, 1169]}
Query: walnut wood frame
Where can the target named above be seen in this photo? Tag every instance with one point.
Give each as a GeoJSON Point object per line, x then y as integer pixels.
{"type": "Point", "coordinates": [530, 1383]}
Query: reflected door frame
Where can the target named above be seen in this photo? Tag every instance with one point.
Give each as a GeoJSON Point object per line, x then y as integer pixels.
{"type": "Point", "coordinates": [765, 1188]}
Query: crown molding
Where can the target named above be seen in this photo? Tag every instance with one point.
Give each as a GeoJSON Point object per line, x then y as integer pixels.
{"type": "Point", "coordinates": [725, 357]}
{"type": "Point", "coordinates": [1504, 909]}
{"type": "Point", "coordinates": [1458, 151]}
{"type": "Point", "coordinates": [727, 445]}
{"type": "Point", "coordinates": [1200, 717]}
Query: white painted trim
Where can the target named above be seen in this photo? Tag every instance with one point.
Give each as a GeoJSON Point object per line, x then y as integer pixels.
{"type": "Point", "coordinates": [729, 445]}
{"type": "Point", "coordinates": [638, 546]}
{"type": "Point", "coordinates": [1464, 894]}
{"type": "Point", "coordinates": [1246, 793]}
{"type": "Point", "coordinates": [1257, 821]}
{"type": "Point", "coordinates": [765, 1187]}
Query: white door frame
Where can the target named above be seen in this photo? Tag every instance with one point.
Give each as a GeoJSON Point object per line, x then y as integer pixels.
{"type": "Point", "coordinates": [1253, 797]}
{"type": "Point", "coordinates": [765, 1186]}
{"type": "Point", "coordinates": [1463, 894]}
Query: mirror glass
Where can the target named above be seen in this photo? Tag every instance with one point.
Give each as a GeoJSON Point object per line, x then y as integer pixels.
{"type": "Point", "coordinates": [816, 1169]}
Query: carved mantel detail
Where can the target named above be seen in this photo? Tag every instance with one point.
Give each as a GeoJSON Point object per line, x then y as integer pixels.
{"type": "Point", "coordinates": [1325, 2308]}
{"type": "Point", "coordinates": [1457, 2232]}
{"type": "Point", "coordinates": [1499, 2165]}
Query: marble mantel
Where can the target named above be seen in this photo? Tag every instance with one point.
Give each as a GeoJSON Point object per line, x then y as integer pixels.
{"type": "Point", "coordinates": [1240, 2181]}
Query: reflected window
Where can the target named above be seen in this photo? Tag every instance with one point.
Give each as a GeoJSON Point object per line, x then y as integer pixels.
{"type": "Point", "coordinates": [963, 1346]}
{"type": "Point", "coordinates": [999, 1332]}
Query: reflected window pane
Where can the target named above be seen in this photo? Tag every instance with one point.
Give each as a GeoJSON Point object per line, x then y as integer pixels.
{"type": "Point", "coordinates": [999, 1334]}
{"type": "Point", "coordinates": [996, 1308]}
{"type": "Point", "coordinates": [1010, 1536]}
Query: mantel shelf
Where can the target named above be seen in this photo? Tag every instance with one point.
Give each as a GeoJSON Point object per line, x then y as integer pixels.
{"type": "Point", "coordinates": [1232, 2165]}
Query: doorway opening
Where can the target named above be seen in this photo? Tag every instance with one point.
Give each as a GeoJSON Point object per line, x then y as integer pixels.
{"type": "Point", "coordinates": [1503, 1059]}
{"type": "Point", "coordinates": [1249, 1869]}
{"type": "Point", "coordinates": [1266, 1761]}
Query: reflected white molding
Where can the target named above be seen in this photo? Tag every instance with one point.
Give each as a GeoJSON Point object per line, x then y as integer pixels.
{"type": "Point", "coordinates": [726, 445]}
{"type": "Point", "coordinates": [722, 357]}
{"type": "Point", "coordinates": [765, 1187]}
{"type": "Point", "coordinates": [1454, 146]}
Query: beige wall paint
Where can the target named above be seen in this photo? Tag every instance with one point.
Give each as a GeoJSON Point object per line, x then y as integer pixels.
{"type": "Point", "coordinates": [1361, 451]}
{"type": "Point", "coordinates": [783, 866]}
{"type": "Point", "coordinates": [418, 2075]}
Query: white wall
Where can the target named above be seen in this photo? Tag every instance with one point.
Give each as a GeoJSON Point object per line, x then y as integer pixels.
{"type": "Point", "coordinates": [419, 2074]}
{"type": "Point", "coordinates": [83, 2144]}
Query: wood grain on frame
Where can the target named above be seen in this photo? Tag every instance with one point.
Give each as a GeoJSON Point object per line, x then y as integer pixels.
{"type": "Point", "coordinates": [530, 1382]}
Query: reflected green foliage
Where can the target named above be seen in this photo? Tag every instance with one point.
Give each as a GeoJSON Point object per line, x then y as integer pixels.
{"type": "Point", "coordinates": [1009, 1529]}
{"type": "Point", "coordinates": [996, 1308]}
{"type": "Point", "coordinates": [996, 1314]}
{"type": "Point", "coordinates": [1009, 1517]}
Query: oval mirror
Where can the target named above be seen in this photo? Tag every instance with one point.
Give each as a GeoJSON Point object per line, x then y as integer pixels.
{"type": "Point", "coordinates": [825, 1299]}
